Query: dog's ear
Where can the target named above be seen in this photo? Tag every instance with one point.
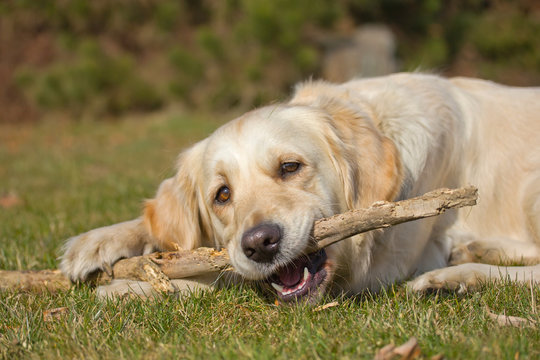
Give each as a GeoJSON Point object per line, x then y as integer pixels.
{"type": "Point", "coordinates": [173, 217]}
{"type": "Point", "coordinates": [367, 161]}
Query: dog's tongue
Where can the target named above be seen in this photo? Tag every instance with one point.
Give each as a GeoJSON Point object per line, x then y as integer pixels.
{"type": "Point", "coordinates": [290, 277]}
{"type": "Point", "coordinates": [292, 274]}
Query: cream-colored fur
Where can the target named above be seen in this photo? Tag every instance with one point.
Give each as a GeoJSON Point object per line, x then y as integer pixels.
{"type": "Point", "coordinates": [384, 138]}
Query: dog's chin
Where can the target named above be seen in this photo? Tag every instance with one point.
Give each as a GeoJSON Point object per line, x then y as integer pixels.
{"type": "Point", "coordinates": [304, 279]}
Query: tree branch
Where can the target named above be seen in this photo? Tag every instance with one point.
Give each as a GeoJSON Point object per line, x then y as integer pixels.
{"type": "Point", "coordinates": [385, 214]}
{"type": "Point", "coordinates": [157, 268]}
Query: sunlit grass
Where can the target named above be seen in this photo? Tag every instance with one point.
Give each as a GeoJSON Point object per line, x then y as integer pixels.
{"type": "Point", "coordinates": [71, 177]}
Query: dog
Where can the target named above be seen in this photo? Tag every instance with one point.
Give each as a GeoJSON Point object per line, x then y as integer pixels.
{"type": "Point", "coordinates": [257, 184]}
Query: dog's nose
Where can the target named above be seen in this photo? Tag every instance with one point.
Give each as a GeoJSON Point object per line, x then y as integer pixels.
{"type": "Point", "coordinates": [261, 242]}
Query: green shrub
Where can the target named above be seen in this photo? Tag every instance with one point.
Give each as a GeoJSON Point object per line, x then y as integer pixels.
{"type": "Point", "coordinates": [209, 41]}
{"type": "Point", "coordinates": [113, 57]}
{"type": "Point", "coordinates": [260, 46]}
{"type": "Point", "coordinates": [168, 14]}
{"type": "Point", "coordinates": [515, 41]}
{"type": "Point", "coordinates": [93, 81]}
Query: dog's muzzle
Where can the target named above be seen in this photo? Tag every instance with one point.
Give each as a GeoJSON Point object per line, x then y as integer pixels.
{"type": "Point", "coordinates": [301, 278]}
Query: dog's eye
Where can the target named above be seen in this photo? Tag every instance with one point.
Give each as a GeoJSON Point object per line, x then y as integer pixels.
{"type": "Point", "coordinates": [223, 195]}
{"type": "Point", "coordinates": [288, 168]}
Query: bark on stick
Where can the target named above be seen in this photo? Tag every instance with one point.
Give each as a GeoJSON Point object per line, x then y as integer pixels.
{"type": "Point", "coordinates": [385, 214]}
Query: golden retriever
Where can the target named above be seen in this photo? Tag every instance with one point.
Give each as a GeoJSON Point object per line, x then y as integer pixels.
{"type": "Point", "coordinates": [256, 185]}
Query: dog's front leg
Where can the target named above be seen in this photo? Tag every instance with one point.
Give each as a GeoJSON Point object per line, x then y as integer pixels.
{"type": "Point", "coordinates": [468, 276]}
{"type": "Point", "coordinates": [100, 248]}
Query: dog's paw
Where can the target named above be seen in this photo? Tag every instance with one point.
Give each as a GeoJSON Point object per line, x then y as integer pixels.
{"type": "Point", "coordinates": [458, 278]}
{"type": "Point", "coordinates": [474, 252]}
{"type": "Point", "coordinates": [462, 254]}
{"type": "Point", "coordinates": [83, 255]}
{"type": "Point", "coordinates": [99, 249]}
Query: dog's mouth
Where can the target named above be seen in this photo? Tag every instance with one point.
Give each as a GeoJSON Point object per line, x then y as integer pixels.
{"type": "Point", "coordinates": [302, 278]}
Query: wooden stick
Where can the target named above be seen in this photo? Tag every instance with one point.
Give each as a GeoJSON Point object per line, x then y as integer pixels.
{"type": "Point", "coordinates": [34, 280]}
{"type": "Point", "coordinates": [175, 264]}
{"type": "Point", "coordinates": [185, 263]}
{"type": "Point", "coordinates": [385, 214]}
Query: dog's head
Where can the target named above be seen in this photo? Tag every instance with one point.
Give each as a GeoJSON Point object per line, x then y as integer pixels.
{"type": "Point", "coordinates": [258, 183]}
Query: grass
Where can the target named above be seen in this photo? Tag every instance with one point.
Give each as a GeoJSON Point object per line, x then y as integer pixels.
{"type": "Point", "coordinates": [71, 177]}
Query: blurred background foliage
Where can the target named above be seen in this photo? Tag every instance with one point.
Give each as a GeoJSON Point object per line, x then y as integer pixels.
{"type": "Point", "coordinates": [102, 58]}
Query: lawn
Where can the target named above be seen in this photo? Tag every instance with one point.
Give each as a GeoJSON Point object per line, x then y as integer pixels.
{"type": "Point", "coordinates": [64, 178]}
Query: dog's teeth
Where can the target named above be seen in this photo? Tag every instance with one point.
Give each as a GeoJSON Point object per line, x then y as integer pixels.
{"type": "Point", "coordinates": [279, 288]}
{"type": "Point", "coordinates": [306, 273]}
